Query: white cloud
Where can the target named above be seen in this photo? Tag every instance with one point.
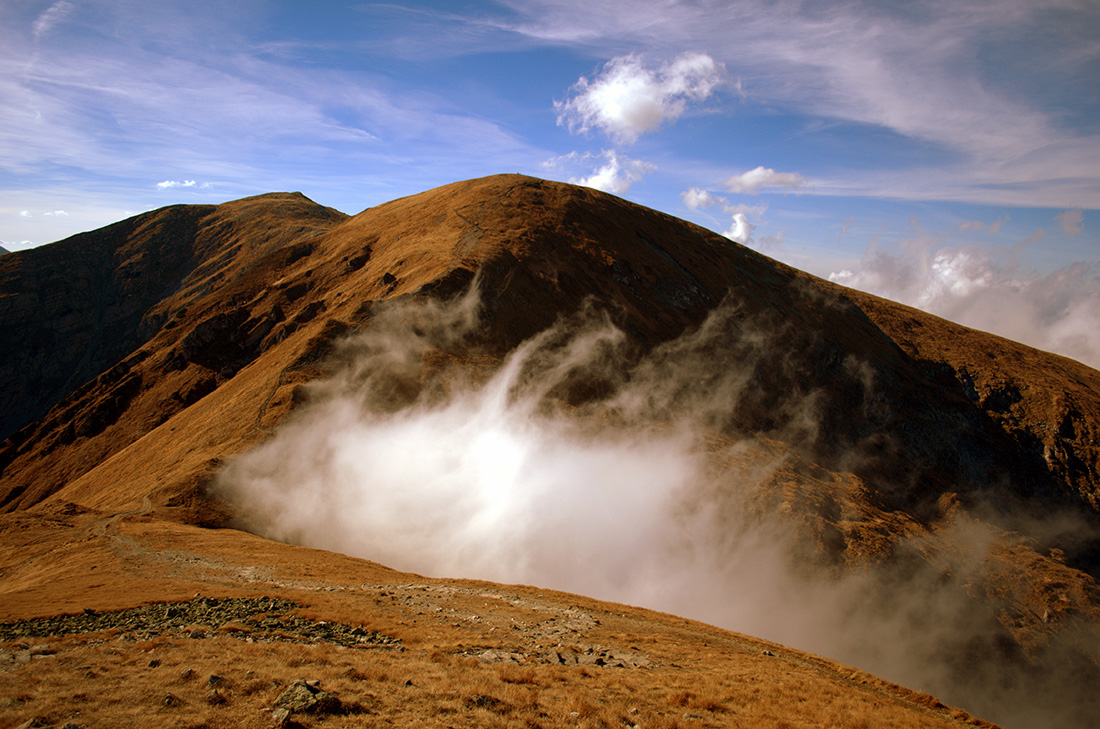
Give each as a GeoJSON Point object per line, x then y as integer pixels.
{"type": "Point", "coordinates": [178, 93]}
{"type": "Point", "coordinates": [1071, 222]}
{"type": "Point", "coordinates": [57, 214]}
{"type": "Point", "coordinates": [750, 182]}
{"type": "Point", "coordinates": [24, 213]}
{"type": "Point", "coordinates": [740, 229]}
{"type": "Point", "coordinates": [617, 174]}
{"type": "Point", "coordinates": [754, 210]}
{"type": "Point", "coordinates": [1058, 312]}
{"type": "Point", "coordinates": [971, 79]}
{"type": "Point", "coordinates": [698, 199]}
{"type": "Point", "coordinates": [627, 99]}
{"type": "Point", "coordinates": [51, 17]}
{"type": "Point", "coordinates": [168, 184]}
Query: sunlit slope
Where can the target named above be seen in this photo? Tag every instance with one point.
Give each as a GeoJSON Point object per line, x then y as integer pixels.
{"type": "Point", "coordinates": [585, 663]}
{"type": "Point", "coordinates": [269, 275]}
{"type": "Point", "coordinates": [190, 334]}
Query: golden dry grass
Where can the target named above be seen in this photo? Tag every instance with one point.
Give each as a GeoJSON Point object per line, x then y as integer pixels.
{"type": "Point", "coordinates": [696, 676]}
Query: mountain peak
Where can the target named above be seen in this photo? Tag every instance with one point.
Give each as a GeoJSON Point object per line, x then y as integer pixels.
{"type": "Point", "coordinates": [142, 357]}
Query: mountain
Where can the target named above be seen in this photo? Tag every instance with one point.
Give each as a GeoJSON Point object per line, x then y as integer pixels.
{"type": "Point", "coordinates": [149, 364]}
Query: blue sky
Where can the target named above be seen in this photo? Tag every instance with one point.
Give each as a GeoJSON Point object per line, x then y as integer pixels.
{"type": "Point", "coordinates": [943, 153]}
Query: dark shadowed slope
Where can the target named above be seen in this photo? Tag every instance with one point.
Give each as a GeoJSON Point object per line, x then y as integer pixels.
{"type": "Point", "coordinates": [77, 319]}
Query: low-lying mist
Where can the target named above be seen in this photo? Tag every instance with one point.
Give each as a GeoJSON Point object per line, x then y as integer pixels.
{"type": "Point", "coordinates": [576, 464]}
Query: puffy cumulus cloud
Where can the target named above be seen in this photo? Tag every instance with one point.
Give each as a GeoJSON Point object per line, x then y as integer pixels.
{"type": "Point", "coordinates": [698, 199]}
{"type": "Point", "coordinates": [750, 182]}
{"type": "Point", "coordinates": [617, 174]}
{"type": "Point", "coordinates": [1058, 312]}
{"type": "Point", "coordinates": [25, 214]}
{"type": "Point", "coordinates": [627, 99]}
{"type": "Point", "coordinates": [1071, 222]}
{"type": "Point", "coordinates": [740, 229]}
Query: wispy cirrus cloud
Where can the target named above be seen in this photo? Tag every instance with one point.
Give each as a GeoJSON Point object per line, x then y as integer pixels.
{"type": "Point", "coordinates": [186, 95]}
{"type": "Point", "coordinates": [1000, 114]}
{"type": "Point", "coordinates": [50, 18]}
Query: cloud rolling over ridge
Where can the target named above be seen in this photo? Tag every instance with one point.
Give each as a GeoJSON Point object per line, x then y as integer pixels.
{"type": "Point", "coordinates": [574, 465]}
{"type": "Point", "coordinates": [1058, 311]}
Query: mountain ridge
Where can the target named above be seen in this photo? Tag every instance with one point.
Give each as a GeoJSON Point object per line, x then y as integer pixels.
{"type": "Point", "coordinates": [211, 324]}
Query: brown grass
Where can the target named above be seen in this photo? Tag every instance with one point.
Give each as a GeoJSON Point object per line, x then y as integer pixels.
{"type": "Point", "coordinates": [60, 557]}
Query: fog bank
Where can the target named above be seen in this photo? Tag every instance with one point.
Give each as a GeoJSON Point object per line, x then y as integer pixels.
{"type": "Point", "coordinates": [573, 465]}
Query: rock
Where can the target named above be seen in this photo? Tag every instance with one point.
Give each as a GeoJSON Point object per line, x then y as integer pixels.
{"type": "Point", "coordinates": [215, 698]}
{"type": "Point", "coordinates": [301, 698]}
{"type": "Point", "coordinates": [562, 658]}
{"type": "Point", "coordinates": [36, 723]}
{"type": "Point", "coordinates": [490, 703]}
{"type": "Point", "coordinates": [491, 656]}
{"type": "Point", "coordinates": [280, 718]}
{"type": "Point", "coordinates": [215, 680]}
{"type": "Point", "coordinates": [171, 699]}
